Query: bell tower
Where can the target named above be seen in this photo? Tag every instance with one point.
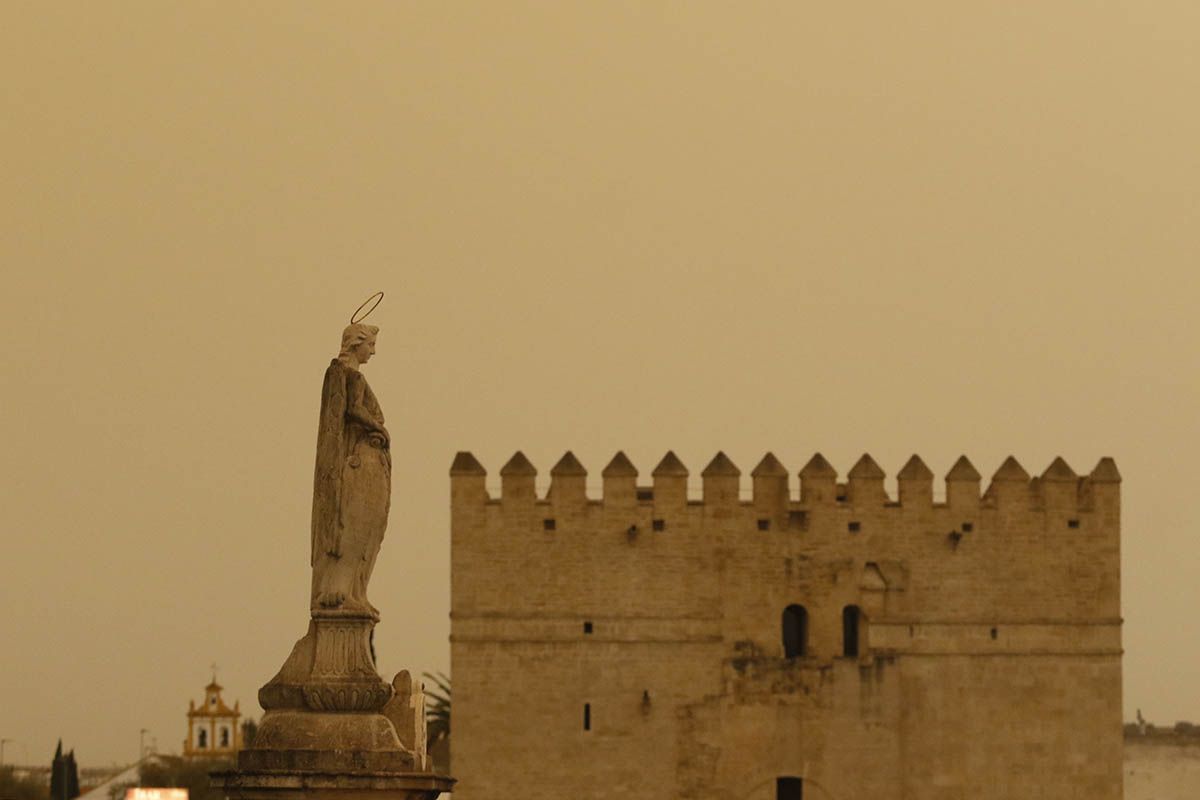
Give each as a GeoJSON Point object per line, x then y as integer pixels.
{"type": "Point", "coordinates": [213, 730]}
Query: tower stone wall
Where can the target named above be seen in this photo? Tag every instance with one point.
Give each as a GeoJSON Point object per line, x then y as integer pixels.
{"type": "Point", "coordinates": [633, 645]}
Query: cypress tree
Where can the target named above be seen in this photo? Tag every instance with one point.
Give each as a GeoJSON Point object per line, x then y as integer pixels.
{"type": "Point", "coordinates": [57, 784]}
{"type": "Point", "coordinates": [72, 773]}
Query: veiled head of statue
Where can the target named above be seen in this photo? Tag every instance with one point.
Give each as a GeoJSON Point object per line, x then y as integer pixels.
{"type": "Point", "coordinates": [358, 340]}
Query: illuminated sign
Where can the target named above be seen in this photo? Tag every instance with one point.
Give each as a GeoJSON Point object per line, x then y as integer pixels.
{"type": "Point", "coordinates": [156, 794]}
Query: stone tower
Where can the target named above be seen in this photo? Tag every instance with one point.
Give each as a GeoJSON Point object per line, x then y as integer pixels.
{"type": "Point", "coordinates": [835, 642]}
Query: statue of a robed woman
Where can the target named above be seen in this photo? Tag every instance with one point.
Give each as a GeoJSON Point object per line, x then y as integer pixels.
{"type": "Point", "coordinates": [331, 726]}
{"type": "Point", "coordinates": [353, 480]}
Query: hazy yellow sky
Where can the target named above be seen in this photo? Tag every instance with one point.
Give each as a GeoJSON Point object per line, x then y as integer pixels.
{"type": "Point", "coordinates": [940, 227]}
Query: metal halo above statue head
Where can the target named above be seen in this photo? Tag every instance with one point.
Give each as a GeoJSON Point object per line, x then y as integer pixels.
{"type": "Point", "coordinates": [355, 318]}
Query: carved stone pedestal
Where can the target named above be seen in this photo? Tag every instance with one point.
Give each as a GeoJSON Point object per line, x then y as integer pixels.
{"type": "Point", "coordinates": [333, 728]}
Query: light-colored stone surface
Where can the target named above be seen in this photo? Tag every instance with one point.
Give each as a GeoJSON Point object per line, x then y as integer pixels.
{"type": "Point", "coordinates": [329, 727]}
{"type": "Point", "coordinates": [991, 665]}
{"type": "Point", "coordinates": [1162, 771]}
{"type": "Point", "coordinates": [352, 481]}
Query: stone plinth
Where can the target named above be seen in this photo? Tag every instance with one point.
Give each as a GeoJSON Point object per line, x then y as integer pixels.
{"type": "Point", "coordinates": [309, 785]}
{"type": "Point", "coordinates": [333, 728]}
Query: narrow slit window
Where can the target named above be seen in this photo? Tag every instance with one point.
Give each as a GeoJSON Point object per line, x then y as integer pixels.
{"type": "Point", "coordinates": [587, 716]}
{"type": "Point", "coordinates": [851, 624]}
{"type": "Point", "coordinates": [548, 524]}
{"type": "Point", "coordinates": [587, 627]}
{"type": "Point", "coordinates": [764, 524]}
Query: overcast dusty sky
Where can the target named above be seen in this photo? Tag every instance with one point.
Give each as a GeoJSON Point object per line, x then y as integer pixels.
{"type": "Point", "coordinates": [943, 228]}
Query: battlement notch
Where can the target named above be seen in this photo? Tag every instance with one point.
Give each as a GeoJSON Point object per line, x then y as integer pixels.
{"type": "Point", "coordinates": [517, 479]}
{"type": "Point", "coordinates": [865, 484]}
{"type": "Point", "coordinates": [1059, 486]}
{"type": "Point", "coordinates": [620, 481]}
{"type": "Point", "coordinates": [818, 481]}
{"type": "Point", "coordinates": [568, 482]}
{"type": "Point", "coordinates": [915, 484]}
{"type": "Point", "coordinates": [721, 481]}
{"type": "Point", "coordinates": [963, 485]}
{"type": "Point", "coordinates": [670, 481]}
{"type": "Point", "coordinates": [1010, 486]}
{"type": "Point", "coordinates": [467, 479]}
{"type": "Point", "coordinates": [770, 479]}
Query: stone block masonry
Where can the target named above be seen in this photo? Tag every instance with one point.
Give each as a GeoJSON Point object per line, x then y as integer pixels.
{"type": "Point", "coordinates": [839, 644]}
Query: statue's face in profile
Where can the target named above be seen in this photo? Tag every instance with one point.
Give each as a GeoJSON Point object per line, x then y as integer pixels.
{"type": "Point", "coordinates": [364, 350]}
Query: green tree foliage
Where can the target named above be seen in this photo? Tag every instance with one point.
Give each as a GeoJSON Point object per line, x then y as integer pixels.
{"type": "Point", "coordinates": [437, 721]}
{"type": "Point", "coordinates": [20, 787]}
{"type": "Point", "coordinates": [437, 708]}
{"type": "Point", "coordinates": [249, 732]}
{"type": "Point", "coordinates": [64, 775]}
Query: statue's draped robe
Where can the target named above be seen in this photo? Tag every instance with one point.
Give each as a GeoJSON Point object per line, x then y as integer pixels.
{"type": "Point", "coordinates": [351, 490]}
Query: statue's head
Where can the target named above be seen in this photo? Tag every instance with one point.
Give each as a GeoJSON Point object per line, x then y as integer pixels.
{"type": "Point", "coordinates": [358, 340]}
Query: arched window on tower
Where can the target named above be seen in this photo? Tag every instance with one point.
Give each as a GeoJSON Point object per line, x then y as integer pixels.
{"type": "Point", "coordinates": [795, 631]}
{"type": "Point", "coordinates": [852, 624]}
{"type": "Point", "coordinates": [224, 737]}
{"type": "Point", "coordinates": [202, 739]}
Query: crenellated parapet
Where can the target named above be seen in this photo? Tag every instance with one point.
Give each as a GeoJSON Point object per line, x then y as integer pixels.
{"type": "Point", "coordinates": [1058, 488]}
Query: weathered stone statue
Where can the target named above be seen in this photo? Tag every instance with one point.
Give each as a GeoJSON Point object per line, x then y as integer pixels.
{"type": "Point", "coordinates": [332, 726]}
{"type": "Point", "coordinates": [353, 483]}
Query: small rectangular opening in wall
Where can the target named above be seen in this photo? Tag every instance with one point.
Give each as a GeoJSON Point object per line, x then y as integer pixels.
{"type": "Point", "coordinates": [764, 524]}
{"type": "Point", "coordinates": [798, 519]}
{"type": "Point", "coordinates": [645, 494]}
{"type": "Point", "coordinates": [967, 527]}
{"type": "Point", "coordinates": [1072, 523]}
{"type": "Point", "coordinates": [587, 627]}
{"type": "Point", "coordinates": [854, 527]}
{"type": "Point", "coordinates": [789, 789]}
{"type": "Point", "coordinates": [587, 716]}
{"type": "Point", "coordinates": [659, 525]}
{"type": "Point", "coordinates": [548, 524]}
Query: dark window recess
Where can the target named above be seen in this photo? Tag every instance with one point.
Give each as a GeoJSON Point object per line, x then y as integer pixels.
{"type": "Point", "coordinates": [855, 527]}
{"type": "Point", "coordinates": [1072, 523]}
{"type": "Point", "coordinates": [798, 519]}
{"type": "Point", "coordinates": [659, 525]}
{"type": "Point", "coordinates": [645, 494]}
{"type": "Point", "coordinates": [841, 498]}
{"type": "Point", "coordinates": [789, 789]}
{"type": "Point", "coordinates": [764, 524]}
{"type": "Point", "coordinates": [587, 627]}
{"type": "Point", "coordinates": [795, 631]}
{"type": "Point", "coordinates": [587, 716]}
{"type": "Point", "coordinates": [967, 527]}
{"type": "Point", "coordinates": [548, 524]}
{"type": "Point", "coordinates": [851, 617]}
{"type": "Point", "coordinates": [995, 633]}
